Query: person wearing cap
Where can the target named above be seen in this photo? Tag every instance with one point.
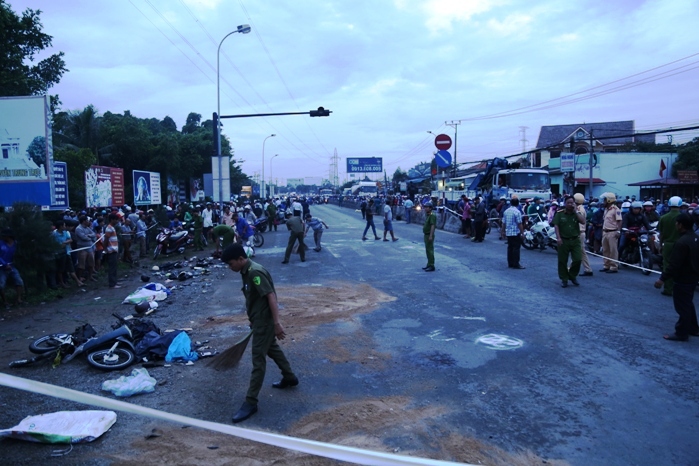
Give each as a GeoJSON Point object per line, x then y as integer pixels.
{"type": "Point", "coordinates": [8, 247]}
{"type": "Point", "coordinates": [428, 230]}
{"type": "Point", "coordinates": [316, 225]}
{"type": "Point", "coordinates": [263, 313]}
{"type": "Point", "coordinates": [649, 212]}
{"type": "Point", "coordinates": [683, 268]}
{"type": "Point", "coordinates": [611, 230]}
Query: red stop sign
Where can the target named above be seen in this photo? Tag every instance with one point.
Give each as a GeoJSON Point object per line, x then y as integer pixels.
{"type": "Point", "coordinates": [442, 142]}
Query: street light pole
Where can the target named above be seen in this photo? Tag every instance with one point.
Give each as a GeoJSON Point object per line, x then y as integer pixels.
{"type": "Point", "coordinates": [243, 29]}
{"type": "Point", "coordinates": [263, 192]}
{"type": "Point", "coordinates": [270, 173]}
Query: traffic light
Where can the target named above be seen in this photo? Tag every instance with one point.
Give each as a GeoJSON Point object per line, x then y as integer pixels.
{"type": "Point", "coordinates": [321, 112]}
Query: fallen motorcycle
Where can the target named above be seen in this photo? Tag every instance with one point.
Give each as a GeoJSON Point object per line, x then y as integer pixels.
{"type": "Point", "coordinates": [112, 351]}
{"type": "Point", "coordinates": [170, 241]}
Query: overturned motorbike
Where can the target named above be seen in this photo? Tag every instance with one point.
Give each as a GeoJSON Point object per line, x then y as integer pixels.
{"type": "Point", "coordinates": [112, 351]}
{"type": "Point", "coordinates": [540, 235]}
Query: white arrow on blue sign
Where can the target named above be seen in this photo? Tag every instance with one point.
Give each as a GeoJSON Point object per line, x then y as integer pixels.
{"type": "Point", "coordinates": [443, 158]}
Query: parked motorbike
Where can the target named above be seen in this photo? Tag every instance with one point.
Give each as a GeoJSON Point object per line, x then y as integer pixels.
{"type": "Point", "coordinates": [170, 241]}
{"type": "Point", "coordinates": [261, 224]}
{"type": "Point", "coordinates": [637, 249]}
{"type": "Point", "coordinates": [540, 235]}
{"type": "Point", "coordinates": [112, 351]}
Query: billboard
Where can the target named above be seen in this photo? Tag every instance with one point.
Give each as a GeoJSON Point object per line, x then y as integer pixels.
{"type": "Point", "coordinates": [104, 186]}
{"type": "Point", "coordinates": [221, 183]}
{"type": "Point", "coordinates": [365, 165]}
{"type": "Point", "coordinates": [196, 189]}
{"type": "Point", "coordinates": [26, 152]}
{"type": "Point", "coordinates": [146, 188]}
{"type": "Point", "coordinates": [60, 186]}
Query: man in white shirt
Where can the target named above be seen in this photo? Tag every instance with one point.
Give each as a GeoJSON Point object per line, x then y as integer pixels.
{"type": "Point", "coordinates": [388, 221]}
{"type": "Point", "coordinates": [408, 204]}
{"type": "Point", "coordinates": [208, 217]}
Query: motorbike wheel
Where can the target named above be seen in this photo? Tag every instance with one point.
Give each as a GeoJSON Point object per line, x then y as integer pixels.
{"type": "Point", "coordinates": [258, 240]}
{"type": "Point", "coordinates": [156, 253]}
{"type": "Point", "coordinates": [647, 264]}
{"type": "Point", "coordinates": [528, 244]}
{"type": "Point", "coordinates": [108, 360]}
{"type": "Point", "coordinates": [47, 343]}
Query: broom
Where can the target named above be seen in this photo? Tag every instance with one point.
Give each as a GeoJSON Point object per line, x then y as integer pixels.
{"type": "Point", "coordinates": [230, 358]}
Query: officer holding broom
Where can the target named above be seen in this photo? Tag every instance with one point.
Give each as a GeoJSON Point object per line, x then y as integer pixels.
{"type": "Point", "coordinates": [263, 313]}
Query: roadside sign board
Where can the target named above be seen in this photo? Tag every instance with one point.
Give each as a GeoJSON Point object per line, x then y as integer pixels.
{"type": "Point", "coordinates": [568, 162]}
{"type": "Point", "coordinates": [365, 165]}
{"type": "Point", "coordinates": [443, 158]}
{"type": "Point", "coordinates": [442, 142]}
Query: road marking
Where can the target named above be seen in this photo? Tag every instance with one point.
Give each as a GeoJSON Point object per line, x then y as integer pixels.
{"type": "Point", "coordinates": [436, 335]}
{"type": "Point", "coordinates": [499, 342]}
{"type": "Point", "coordinates": [469, 318]}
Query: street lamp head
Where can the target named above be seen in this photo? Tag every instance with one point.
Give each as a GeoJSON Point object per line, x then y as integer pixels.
{"type": "Point", "coordinates": [244, 28]}
{"type": "Point", "coordinates": [272, 135]}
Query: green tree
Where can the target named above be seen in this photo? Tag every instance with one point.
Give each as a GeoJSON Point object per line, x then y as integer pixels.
{"type": "Point", "coordinates": [21, 39]}
{"type": "Point", "coordinates": [687, 157]}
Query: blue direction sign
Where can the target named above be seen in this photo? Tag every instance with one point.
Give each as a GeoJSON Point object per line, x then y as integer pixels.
{"type": "Point", "coordinates": [443, 158]}
{"type": "Point", "coordinates": [365, 165]}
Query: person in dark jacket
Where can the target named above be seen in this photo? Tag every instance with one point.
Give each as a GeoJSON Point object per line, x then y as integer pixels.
{"type": "Point", "coordinates": [683, 268]}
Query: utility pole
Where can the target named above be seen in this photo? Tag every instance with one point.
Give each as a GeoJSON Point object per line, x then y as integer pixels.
{"type": "Point", "coordinates": [454, 124]}
{"type": "Point", "coordinates": [592, 156]}
{"type": "Point", "coordinates": [334, 179]}
{"type": "Point", "coordinates": [523, 140]}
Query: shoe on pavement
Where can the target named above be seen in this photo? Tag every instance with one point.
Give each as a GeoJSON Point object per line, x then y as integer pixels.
{"type": "Point", "coordinates": [364, 238]}
{"type": "Point", "coordinates": [244, 412]}
{"type": "Point", "coordinates": [376, 237]}
{"type": "Point", "coordinates": [396, 239]}
{"type": "Point", "coordinates": [574, 282]}
{"type": "Point", "coordinates": [564, 283]}
{"type": "Point", "coordinates": [519, 267]}
{"type": "Point", "coordinates": [675, 337]}
{"type": "Point", "coordinates": [586, 274]}
{"type": "Point", "coordinates": [385, 239]}
{"type": "Point", "coordinates": [430, 269]}
{"type": "Point", "coordinates": [285, 262]}
{"type": "Point", "coordinates": [283, 383]}
{"type": "Point", "coordinates": [665, 293]}
{"type": "Point", "coordinates": [604, 270]}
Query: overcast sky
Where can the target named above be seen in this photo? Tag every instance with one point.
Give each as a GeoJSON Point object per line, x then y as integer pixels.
{"type": "Point", "coordinates": [389, 70]}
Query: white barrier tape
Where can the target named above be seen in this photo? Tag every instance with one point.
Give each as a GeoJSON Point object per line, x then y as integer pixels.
{"type": "Point", "coordinates": [327, 450]}
{"type": "Point", "coordinates": [86, 247]}
{"type": "Point", "coordinates": [622, 263]}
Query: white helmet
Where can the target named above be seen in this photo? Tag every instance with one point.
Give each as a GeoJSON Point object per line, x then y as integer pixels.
{"type": "Point", "coordinates": [625, 205]}
{"type": "Point", "coordinates": [675, 201]}
{"type": "Point", "coordinates": [636, 205]}
{"type": "Point", "coordinates": [648, 203]}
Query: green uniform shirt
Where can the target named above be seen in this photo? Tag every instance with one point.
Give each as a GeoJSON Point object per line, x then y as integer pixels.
{"type": "Point", "coordinates": [568, 225]}
{"type": "Point", "coordinates": [257, 284]}
{"type": "Point", "coordinates": [429, 221]}
{"type": "Point", "coordinates": [198, 222]}
{"type": "Point", "coordinates": [666, 227]}
{"type": "Point", "coordinates": [225, 232]}
{"type": "Point", "coordinates": [295, 224]}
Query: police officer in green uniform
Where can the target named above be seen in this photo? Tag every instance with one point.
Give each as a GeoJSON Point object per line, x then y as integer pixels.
{"type": "Point", "coordinates": [567, 224]}
{"type": "Point", "coordinates": [428, 230]}
{"type": "Point", "coordinates": [263, 313]}
{"type": "Point", "coordinates": [668, 236]}
{"type": "Point", "coordinates": [198, 224]}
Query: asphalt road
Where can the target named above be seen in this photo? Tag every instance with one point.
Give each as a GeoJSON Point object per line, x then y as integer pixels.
{"type": "Point", "coordinates": [580, 374]}
{"type": "Point", "coordinates": [593, 381]}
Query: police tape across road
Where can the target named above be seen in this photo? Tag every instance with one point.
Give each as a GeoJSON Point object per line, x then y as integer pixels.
{"type": "Point", "coordinates": [327, 450]}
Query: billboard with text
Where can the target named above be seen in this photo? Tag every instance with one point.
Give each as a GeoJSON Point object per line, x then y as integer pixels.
{"type": "Point", "coordinates": [364, 165]}
{"type": "Point", "coordinates": [104, 186]}
{"type": "Point", "coordinates": [26, 152]}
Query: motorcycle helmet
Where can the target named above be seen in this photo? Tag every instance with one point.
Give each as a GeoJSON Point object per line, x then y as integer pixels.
{"type": "Point", "coordinates": [609, 198]}
{"type": "Point", "coordinates": [142, 307]}
{"type": "Point", "coordinates": [636, 205]}
{"type": "Point", "coordinates": [648, 203]}
{"type": "Point", "coordinates": [625, 205]}
{"type": "Point", "coordinates": [675, 201]}
{"type": "Point", "coordinates": [579, 198]}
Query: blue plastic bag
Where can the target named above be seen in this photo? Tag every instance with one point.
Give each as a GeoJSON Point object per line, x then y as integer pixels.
{"type": "Point", "coordinates": [181, 349]}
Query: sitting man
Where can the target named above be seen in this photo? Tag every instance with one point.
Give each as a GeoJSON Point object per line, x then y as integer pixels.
{"type": "Point", "coordinates": [8, 247]}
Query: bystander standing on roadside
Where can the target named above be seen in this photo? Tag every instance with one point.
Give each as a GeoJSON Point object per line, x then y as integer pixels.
{"type": "Point", "coordinates": [580, 207]}
{"type": "Point", "coordinates": [408, 206]}
{"type": "Point", "coordinates": [428, 230]}
{"type": "Point", "coordinates": [370, 220]}
{"type": "Point", "coordinates": [611, 230]}
{"type": "Point", "coordinates": [111, 250]}
{"type": "Point", "coordinates": [8, 247]}
{"type": "Point", "coordinates": [668, 235]}
{"type": "Point", "coordinates": [85, 239]}
{"type": "Point", "coordinates": [514, 230]}
{"type": "Point", "coordinates": [683, 267]}
{"type": "Point", "coordinates": [388, 221]}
